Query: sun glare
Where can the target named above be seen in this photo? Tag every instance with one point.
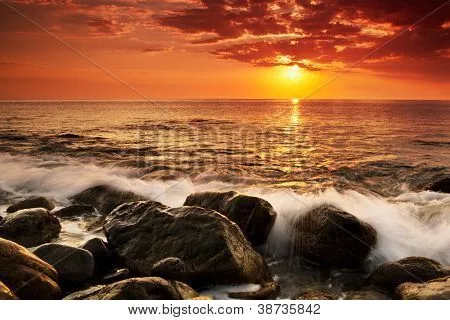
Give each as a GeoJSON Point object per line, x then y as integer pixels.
{"type": "Point", "coordinates": [295, 101]}
{"type": "Point", "coordinates": [294, 72]}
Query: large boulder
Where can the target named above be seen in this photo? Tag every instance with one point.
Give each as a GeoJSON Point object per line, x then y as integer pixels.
{"type": "Point", "coordinates": [25, 274]}
{"type": "Point", "coordinates": [30, 227]}
{"type": "Point", "coordinates": [442, 185]}
{"type": "Point", "coordinates": [411, 269]}
{"type": "Point", "coordinates": [151, 288]}
{"type": "Point", "coordinates": [253, 215]}
{"type": "Point", "coordinates": [30, 203]}
{"type": "Point", "coordinates": [437, 289]}
{"type": "Point", "coordinates": [170, 269]}
{"type": "Point", "coordinates": [213, 248]}
{"type": "Point", "coordinates": [75, 211]}
{"type": "Point", "coordinates": [74, 265]}
{"type": "Point", "coordinates": [102, 256]}
{"type": "Point", "coordinates": [105, 198]}
{"type": "Point", "coordinates": [330, 237]}
{"type": "Point", "coordinates": [6, 293]}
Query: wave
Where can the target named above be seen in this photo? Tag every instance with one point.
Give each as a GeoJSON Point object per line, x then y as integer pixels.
{"type": "Point", "coordinates": [412, 223]}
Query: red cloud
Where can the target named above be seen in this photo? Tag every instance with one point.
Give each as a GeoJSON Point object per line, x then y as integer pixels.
{"type": "Point", "coordinates": [314, 34]}
{"type": "Point", "coordinates": [329, 31]}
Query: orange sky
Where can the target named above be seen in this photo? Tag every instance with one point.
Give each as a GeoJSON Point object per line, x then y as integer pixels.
{"type": "Point", "coordinates": [172, 49]}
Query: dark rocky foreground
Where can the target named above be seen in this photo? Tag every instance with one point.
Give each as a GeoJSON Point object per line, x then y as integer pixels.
{"type": "Point", "coordinates": [157, 252]}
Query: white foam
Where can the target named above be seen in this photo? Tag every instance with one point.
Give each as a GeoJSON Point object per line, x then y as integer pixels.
{"type": "Point", "coordinates": [410, 224]}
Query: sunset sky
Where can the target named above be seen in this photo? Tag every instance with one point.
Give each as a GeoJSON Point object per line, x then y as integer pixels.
{"type": "Point", "coordinates": [171, 49]}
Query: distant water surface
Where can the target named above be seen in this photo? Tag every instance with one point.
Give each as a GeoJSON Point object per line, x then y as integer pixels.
{"type": "Point", "coordinates": [380, 146]}
{"type": "Point", "coordinates": [369, 158]}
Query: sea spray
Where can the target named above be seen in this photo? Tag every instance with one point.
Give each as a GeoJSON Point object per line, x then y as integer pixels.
{"type": "Point", "coordinates": [413, 223]}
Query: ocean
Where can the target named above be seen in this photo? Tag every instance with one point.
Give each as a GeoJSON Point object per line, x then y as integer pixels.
{"type": "Point", "coordinates": [369, 158]}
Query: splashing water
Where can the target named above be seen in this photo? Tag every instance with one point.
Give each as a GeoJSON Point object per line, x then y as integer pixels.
{"type": "Point", "coordinates": [413, 223]}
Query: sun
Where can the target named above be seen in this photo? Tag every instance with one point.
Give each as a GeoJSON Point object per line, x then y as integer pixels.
{"type": "Point", "coordinates": [294, 72]}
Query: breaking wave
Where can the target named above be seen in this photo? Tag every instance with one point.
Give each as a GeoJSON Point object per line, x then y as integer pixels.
{"type": "Point", "coordinates": [411, 223]}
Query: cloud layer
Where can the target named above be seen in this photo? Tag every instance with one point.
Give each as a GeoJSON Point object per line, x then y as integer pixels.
{"type": "Point", "coordinates": [316, 35]}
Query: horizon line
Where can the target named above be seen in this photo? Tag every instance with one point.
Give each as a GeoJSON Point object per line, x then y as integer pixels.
{"type": "Point", "coordinates": [217, 99]}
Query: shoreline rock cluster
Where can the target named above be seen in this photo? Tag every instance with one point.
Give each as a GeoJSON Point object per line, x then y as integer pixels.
{"type": "Point", "coordinates": [153, 251]}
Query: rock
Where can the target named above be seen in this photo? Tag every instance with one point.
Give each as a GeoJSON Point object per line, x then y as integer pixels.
{"type": "Point", "coordinates": [30, 227]}
{"type": "Point", "coordinates": [442, 185]}
{"type": "Point", "coordinates": [330, 237]}
{"type": "Point", "coordinates": [411, 269]}
{"type": "Point", "coordinates": [74, 265]}
{"type": "Point", "coordinates": [312, 294]}
{"type": "Point", "coordinates": [105, 198]}
{"type": "Point", "coordinates": [214, 249]}
{"type": "Point", "coordinates": [268, 291]}
{"type": "Point", "coordinates": [25, 274]}
{"type": "Point", "coordinates": [75, 211]}
{"type": "Point", "coordinates": [170, 269]}
{"type": "Point", "coordinates": [253, 215]}
{"type": "Point", "coordinates": [69, 136]}
{"type": "Point", "coordinates": [365, 295]}
{"type": "Point", "coordinates": [203, 298]}
{"type": "Point", "coordinates": [151, 288]}
{"type": "Point", "coordinates": [102, 257]}
{"type": "Point", "coordinates": [5, 293]}
{"type": "Point", "coordinates": [437, 289]}
{"type": "Point", "coordinates": [31, 203]}
{"type": "Point", "coordinates": [5, 197]}
{"type": "Point", "coordinates": [117, 275]}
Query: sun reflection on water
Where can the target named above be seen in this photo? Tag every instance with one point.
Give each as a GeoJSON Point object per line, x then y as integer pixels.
{"type": "Point", "coordinates": [295, 115]}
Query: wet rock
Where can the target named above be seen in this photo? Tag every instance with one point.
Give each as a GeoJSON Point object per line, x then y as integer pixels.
{"type": "Point", "coordinates": [203, 298]}
{"type": "Point", "coordinates": [151, 288]}
{"type": "Point", "coordinates": [317, 294]}
{"type": "Point", "coordinates": [329, 237]}
{"type": "Point", "coordinates": [30, 227]}
{"type": "Point", "coordinates": [170, 269]}
{"type": "Point", "coordinates": [75, 211]}
{"type": "Point", "coordinates": [25, 274]}
{"type": "Point", "coordinates": [6, 293]}
{"type": "Point", "coordinates": [31, 203]}
{"type": "Point", "coordinates": [5, 197]}
{"type": "Point", "coordinates": [268, 291]}
{"type": "Point", "coordinates": [74, 265]}
{"type": "Point", "coordinates": [253, 215]}
{"type": "Point", "coordinates": [105, 198]}
{"type": "Point", "coordinates": [442, 185]}
{"type": "Point", "coordinates": [102, 257]}
{"type": "Point", "coordinates": [437, 289]}
{"type": "Point", "coordinates": [411, 269]}
{"type": "Point", "coordinates": [214, 249]}
{"type": "Point", "coordinates": [365, 295]}
{"type": "Point", "coordinates": [69, 136]}
{"type": "Point", "coordinates": [115, 276]}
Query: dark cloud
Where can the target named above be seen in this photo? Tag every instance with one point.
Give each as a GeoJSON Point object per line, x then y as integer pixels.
{"type": "Point", "coordinates": [329, 31]}
{"type": "Point", "coordinates": [154, 49]}
{"type": "Point", "coordinates": [315, 34]}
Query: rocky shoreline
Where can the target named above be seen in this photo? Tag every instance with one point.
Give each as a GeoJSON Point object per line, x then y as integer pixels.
{"type": "Point", "coordinates": [153, 251]}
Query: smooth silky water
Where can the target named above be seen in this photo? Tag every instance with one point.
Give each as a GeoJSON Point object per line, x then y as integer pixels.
{"type": "Point", "coordinates": [369, 158]}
